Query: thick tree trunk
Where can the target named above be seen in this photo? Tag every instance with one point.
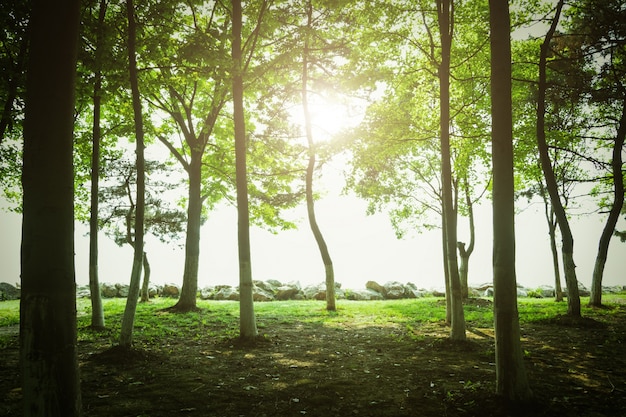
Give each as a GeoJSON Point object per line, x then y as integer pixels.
{"type": "Point", "coordinates": [247, 320]}
{"type": "Point", "coordinates": [97, 311]}
{"type": "Point", "coordinates": [616, 209]}
{"type": "Point", "coordinates": [573, 297]}
{"type": "Point", "coordinates": [189, 290]}
{"type": "Point", "coordinates": [446, 272]}
{"type": "Point", "coordinates": [457, 327]}
{"type": "Point", "coordinates": [128, 320]}
{"type": "Point", "coordinates": [48, 352]}
{"type": "Point", "coordinates": [511, 380]}
{"type": "Point", "coordinates": [145, 286]}
{"type": "Point", "coordinates": [310, 204]}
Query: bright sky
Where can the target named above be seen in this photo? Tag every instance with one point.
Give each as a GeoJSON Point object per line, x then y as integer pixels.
{"type": "Point", "coordinates": [362, 248]}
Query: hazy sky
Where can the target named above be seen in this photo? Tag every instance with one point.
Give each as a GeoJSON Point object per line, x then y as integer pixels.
{"type": "Point", "coordinates": [362, 248]}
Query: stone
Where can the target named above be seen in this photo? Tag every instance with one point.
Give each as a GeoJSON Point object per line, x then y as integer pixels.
{"type": "Point", "coordinates": [488, 292]}
{"type": "Point", "coordinates": [9, 292]}
{"type": "Point", "coordinates": [260, 294]}
{"type": "Point", "coordinates": [266, 286]}
{"type": "Point", "coordinates": [394, 290]}
{"type": "Point", "coordinates": [207, 293]}
{"type": "Point", "coordinates": [365, 294]}
{"type": "Point", "coordinates": [375, 286]}
{"type": "Point", "coordinates": [122, 290]}
{"type": "Point", "coordinates": [546, 291]}
{"type": "Point", "coordinates": [286, 292]}
{"type": "Point", "coordinates": [170, 290]}
{"type": "Point", "coordinates": [83, 291]}
{"type": "Point", "coordinates": [226, 292]}
{"type": "Point", "coordinates": [108, 290]}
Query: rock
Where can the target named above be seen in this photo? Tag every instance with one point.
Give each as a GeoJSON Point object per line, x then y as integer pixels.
{"type": "Point", "coordinates": [438, 293]}
{"type": "Point", "coordinates": [226, 292]}
{"type": "Point", "coordinates": [366, 294]}
{"type": "Point", "coordinates": [266, 286]}
{"type": "Point", "coordinates": [286, 292]}
{"type": "Point", "coordinates": [9, 292]}
{"type": "Point", "coordinates": [522, 292]}
{"type": "Point", "coordinates": [83, 291]}
{"type": "Point", "coordinates": [374, 286]}
{"type": "Point", "coordinates": [546, 291]}
{"type": "Point", "coordinates": [274, 283]}
{"type": "Point", "coordinates": [488, 292]}
{"type": "Point", "coordinates": [314, 292]}
{"type": "Point", "coordinates": [394, 290]}
{"type": "Point", "coordinates": [122, 290]}
{"type": "Point", "coordinates": [153, 290]}
{"type": "Point", "coordinates": [207, 293]}
{"type": "Point", "coordinates": [170, 290]}
{"type": "Point", "coordinates": [108, 290]}
{"type": "Point", "coordinates": [260, 294]}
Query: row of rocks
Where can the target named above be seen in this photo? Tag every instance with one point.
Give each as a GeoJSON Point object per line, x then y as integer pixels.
{"type": "Point", "coordinates": [271, 290]}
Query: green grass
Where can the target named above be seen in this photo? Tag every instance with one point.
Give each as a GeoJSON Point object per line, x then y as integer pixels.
{"type": "Point", "coordinates": [221, 318]}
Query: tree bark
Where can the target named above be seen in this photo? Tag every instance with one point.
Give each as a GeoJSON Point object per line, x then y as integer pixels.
{"type": "Point", "coordinates": [310, 203]}
{"type": "Point", "coordinates": [616, 209]}
{"type": "Point", "coordinates": [97, 311]}
{"type": "Point", "coordinates": [145, 286]}
{"type": "Point", "coordinates": [446, 271]}
{"type": "Point", "coordinates": [446, 29]}
{"type": "Point", "coordinates": [126, 334]}
{"type": "Point", "coordinates": [189, 290]}
{"type": "Point", "coordinates": [48, 350]}
{"type": "Point", "coordinates": [511, 380]}
{"type": "Point", "coordinates": [550, 219]}
{"type": "Point", "coordinates": [465, 253]}
{"type": "Point", "coordinates": [247, 321]}
{"type": "Point", "coordinates": [573, 297]}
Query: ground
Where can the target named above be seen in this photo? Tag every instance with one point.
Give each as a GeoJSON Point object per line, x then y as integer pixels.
{"type": "Point", "coordinates": [350, 367]}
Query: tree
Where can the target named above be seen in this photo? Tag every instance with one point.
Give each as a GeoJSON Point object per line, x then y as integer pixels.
{"type": "Point", "coordinates": [247, 320]}
{"type": "Point", "coordinates": [48, 349]}
{"type": "Point", "coordinates": [310, 203]}
{"type": "Point", "coordinates": [445, 18]}
{"type": "Point", "coordinates": [97, 311]}
{"type": "Point", "coordinates": [126, 334]}
{"type": "Point", "coordinates": [573, 298]}
{"type": "Point", "coordinates": [511, 380]}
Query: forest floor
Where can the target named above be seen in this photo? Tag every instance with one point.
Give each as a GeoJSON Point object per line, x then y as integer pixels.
{"type": "Point", "coordinates": [374, 362]}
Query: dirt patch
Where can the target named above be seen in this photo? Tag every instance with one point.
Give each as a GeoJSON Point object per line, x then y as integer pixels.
{"type": "Point", "coordinates": [313, 369]}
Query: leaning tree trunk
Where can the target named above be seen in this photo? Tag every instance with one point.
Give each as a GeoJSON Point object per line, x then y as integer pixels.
{"type": "Point", "coordinates": [310, 204]}
{"type": "Point", "coordinates": [97, 311]}
{"type": "Point", "coordinates": [549, 213]}
{"type": "Point", "coordinates": [573, 297]}
{"type": "Point", "coordinates": [511, 380]}
{"type": "Point", "coordinates": [126, 334]}
{"type": "Point", "coordinates": [446, 26]}
{"type": "Point", "coordinates": [48, 349]}
{"type": "Point", "coordinates": [247, 320]}
{"type": "Point", "coordinates": [618, 202]}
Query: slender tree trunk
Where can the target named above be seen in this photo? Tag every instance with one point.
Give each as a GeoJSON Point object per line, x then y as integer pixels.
{"type": "Point", "coordinates": [511, 380]}
{"type": "Point", "coordinates": [97, 311]}
{"type": "Point", "coordinates": [310, 204]}
{"type": "Point", "coordinates": [616, 209]}
{"type": "Point", "coordinates": [558, 291]}
{"type": "Point", "coordinates": [446, 29]}
{"type": "Point", "coordinates": [189, 290]}
{"type": "Point", "coordinates": [48, 351]}
{"type": "Point", "coordinates": [465, 253]}
{"type": "Point", "coordinates": [145, 287]}
{"type": "Point", "coordinates": [247, 320]}
{"type": "Point", "coordinates": [573, 298]}
{"type": "Point", "coordinates": [446, 271]}
{"type": "Point", "coordinates": [126, 335]}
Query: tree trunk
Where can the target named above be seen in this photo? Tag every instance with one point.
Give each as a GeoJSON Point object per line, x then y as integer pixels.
{"type": "Point", "coordinates": [247, 321]}
{"type": "Point", "coordinates": [48, 350]}
{"type": "Point", "coordinates": [446, 271]}
{"type": "Point", "coordinates": [616, 208]}
{"type": "Point", "coordinates": [511, 380]}
{"type": "Point", "coordinates": [464, 253]}
{"type": "Point", "coordinates": [446, 25]}
{"type": "Point", "coordinates": [310, 204]}
{"type": "Point", "coordinates": [145, 287]}
{"type": "Point", "coordinates": [573, 298]}
{"type": "Point", "coordinates": [558, 291]}
{"type": "Point", "coordinates": [97, 311]}
{"type": "Point", "coordinates": [189, 290]}
{"type": "Point", "coordinates": [126, 335]}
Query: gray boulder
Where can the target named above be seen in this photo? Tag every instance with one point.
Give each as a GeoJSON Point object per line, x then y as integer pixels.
{"type": "Point", "coordinates": [260, 294]}
{"type": "Point", "coordinates": [394, 290]}
{"type": "Point", "coordinates": [227, 292]}
{"type": "Point", "coordinates": [122, 290]}
{"type": "Point", "coordinates": [83, 291]}
{"type": "Point", "coordinates": [375, 286]}
{"type": "Point", "coordinates": [9, 292]}
{"type": "Point", "coordinates": [365, 294]}
{"type": "Point", "coordinates": [207, 293]}
{"type": "Point", "coordinates": [108, 290]}
{"type": "Point", "coordinates": [170, 290]}
{"type": "Point", "coordinates": [287, 292]}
